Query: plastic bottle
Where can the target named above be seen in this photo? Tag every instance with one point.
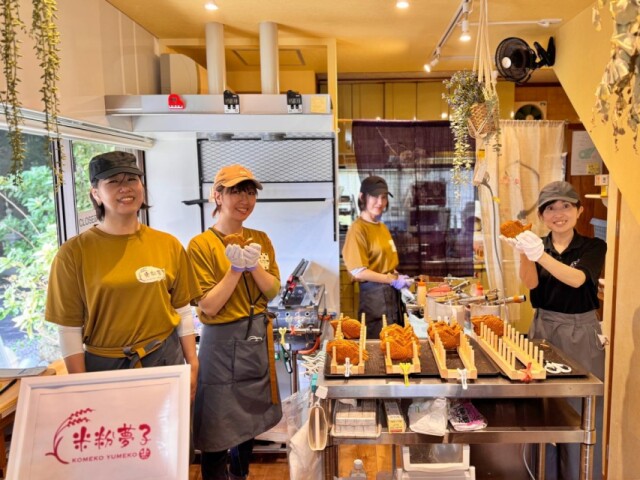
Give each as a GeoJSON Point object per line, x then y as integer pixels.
{"type": "Point", "coordinates": [421, 293]}
{"type": "Point", "coordinates": [358, 470]}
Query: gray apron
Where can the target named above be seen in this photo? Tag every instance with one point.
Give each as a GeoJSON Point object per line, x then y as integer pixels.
{"type": "Point", "coordinates": [377, 299]}
{"type": "Point", "coordinates": [577, 336]}
{"type": "Point", "coordinates": [167, 352]}
{"type": "Point", "coordinates": [233, 401]}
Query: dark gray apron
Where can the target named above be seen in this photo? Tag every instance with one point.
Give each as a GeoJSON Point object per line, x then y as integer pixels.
{"type": "Point", "coordinates": [577, 336]}
{"type": "Point", "coordinates": [233, 401]}
{"type": "Point", "coordinates": [169, 352]}
{"type": "Point", "coordinates": [377, 299]}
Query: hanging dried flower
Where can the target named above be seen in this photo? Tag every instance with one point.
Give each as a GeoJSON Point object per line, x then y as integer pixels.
{"type": "Point", "coordinates": [620, 83]}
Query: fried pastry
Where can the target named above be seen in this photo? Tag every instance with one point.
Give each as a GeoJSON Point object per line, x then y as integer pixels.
{"type": "Point", "coordinates": [350, 327]}
{"type": "Point", "coordinates": [449, 334]}
{"type": "Point", "coordinates": [344, 349]}
{"type": "Point", "coordinates": [513, 228]}
{"type": "Point", "coordinates": [494, 323]}
{"type": "Point", "coordinates": [235, 239]}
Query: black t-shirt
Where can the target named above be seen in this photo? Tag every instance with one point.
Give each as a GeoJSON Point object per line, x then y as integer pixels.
{"type": "Point", "coordinates": [584, 253]}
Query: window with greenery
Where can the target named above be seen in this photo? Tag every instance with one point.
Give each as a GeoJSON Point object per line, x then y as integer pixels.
{"type": "Point", "coordinates": [28, 243]}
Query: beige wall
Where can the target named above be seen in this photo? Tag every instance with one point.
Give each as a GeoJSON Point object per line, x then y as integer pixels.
{"type": "Point", "coordinates": [102, 53]}
{"type": "Point", "coordinates": [580, 64]}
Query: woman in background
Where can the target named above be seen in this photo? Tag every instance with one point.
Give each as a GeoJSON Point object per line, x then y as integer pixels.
{"type": "Point", "coordinates": [121, 291]}
{"type": "Point", "coordinates": [561, 271]}
{"type": "Point", "coordinates": [237, 396]}
{"type": "Point", "coordinates": [371, 257]}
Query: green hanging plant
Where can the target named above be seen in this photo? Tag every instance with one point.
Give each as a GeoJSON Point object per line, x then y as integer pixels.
{"type": "Point", "coordinates": [46, 37]}
{"type": "Point", "coordinates": [465, 97]}
{"type": "Point", "coordinates": [10, 26]}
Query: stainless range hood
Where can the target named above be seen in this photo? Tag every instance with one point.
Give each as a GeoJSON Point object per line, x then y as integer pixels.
{"type": "Point", "coordinates": [205, 113]}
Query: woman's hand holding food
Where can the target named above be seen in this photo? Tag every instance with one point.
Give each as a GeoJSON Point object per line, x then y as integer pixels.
{"type": "Point", "coordinates": [251, 256]}
{"type": "Point", "coordinates": [235, 254]}
{"type": "Point", "coordinates": [531, 245]}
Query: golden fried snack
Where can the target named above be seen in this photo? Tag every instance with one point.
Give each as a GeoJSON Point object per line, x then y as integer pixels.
{"type": "Point", "coordinates": [513, 228]}
{"type": "Point", "coordinates": [493, 323]}
{"type": "Point", "coordinates": [350, 327]}
{"type": "Point", "coordinates": [344, 349]}
{"type": "Point", "coordinates": [399, 349]}
{"type": "Point", "coordinates": [235, 239]}
{"type": "Point", "coordinates": [400, 341]}
{"type": "Point", "coordinates": [449, 334]}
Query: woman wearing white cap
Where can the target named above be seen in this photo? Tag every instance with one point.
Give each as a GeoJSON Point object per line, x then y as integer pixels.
{"type": "Point", "coordinates": [561, 271]}
{"type": "Point", "coordinates": [371, 257]}
{"type": "Point", "coordinates": [121, 291]}
{"type": "Point", "coordinates": [237, 397]}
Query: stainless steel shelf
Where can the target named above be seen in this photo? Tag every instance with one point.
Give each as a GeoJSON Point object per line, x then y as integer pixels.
{"type": "Point", "coordinates": [509, 421]}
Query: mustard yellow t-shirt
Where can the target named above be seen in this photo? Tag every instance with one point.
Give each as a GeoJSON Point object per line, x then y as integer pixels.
{"type": "Point", "coordinates": [369, 245]}
{"type": "Point", "coordinates": [207, 253]}
{"type": "Point", "coordinates": [122, 289]}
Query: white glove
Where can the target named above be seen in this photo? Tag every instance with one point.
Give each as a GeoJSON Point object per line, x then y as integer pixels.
{"type": "Point", "coordinates": [236, 256]}
{"type": "Point", "coordinates": [513, 243]}
{"type": "Point", "coordinates": [532, 245]}
{"type": "Point", "coordinates": [252, 256]}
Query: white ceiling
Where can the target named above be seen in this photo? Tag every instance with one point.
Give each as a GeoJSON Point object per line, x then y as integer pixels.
{"type": "Point", "coordinates": [373, 37]}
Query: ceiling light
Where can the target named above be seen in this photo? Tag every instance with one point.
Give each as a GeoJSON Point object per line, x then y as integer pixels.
{"type": "Point", "coordinates": [211, 6]}
{"type": "Point", "coordinates": [402, 4]}
{"type": "Point", "coordinates": [465, 36]}
{"type": "Point", "coordinates": [434, 61]}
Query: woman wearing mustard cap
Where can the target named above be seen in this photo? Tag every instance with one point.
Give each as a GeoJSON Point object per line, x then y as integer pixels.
{"type": "Point", "coordinates": [237, 395]}
{"type": "Point", "coordinates": [121, 291]}
{"type": "Point", "coordinates": [561, 271]}
{"type": "Point", "coordinates": [371, 257]}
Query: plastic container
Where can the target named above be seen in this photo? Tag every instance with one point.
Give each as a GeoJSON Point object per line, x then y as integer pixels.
{"type": "Point", "coordinates": [436, 457]}
{"type": "Point", "coordinates": [421, 293]}
{"type": "Point", "coordinates": [358, 471]}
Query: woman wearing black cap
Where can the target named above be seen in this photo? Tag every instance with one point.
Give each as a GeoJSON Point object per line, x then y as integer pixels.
{"type": "Point", "coordinates": [371, 257]}
{"type": "Point", "coordinates": [561, 271]}
{"type": "Point", "coordinates": [121, 291]}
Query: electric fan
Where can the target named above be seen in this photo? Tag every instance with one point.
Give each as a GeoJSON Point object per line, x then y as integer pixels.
{"type": "Point", "coordinates": [528, 112]}
{"type": "Point", "coordinates": [516, 60]}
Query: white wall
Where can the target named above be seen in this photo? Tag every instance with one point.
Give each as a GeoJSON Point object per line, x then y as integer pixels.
{"type": "Point", "coordinates": [172, 177]}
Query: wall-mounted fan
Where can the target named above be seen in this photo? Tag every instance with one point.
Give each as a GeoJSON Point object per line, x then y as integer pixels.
{"type": "Point", "coordinates": [516, 60]}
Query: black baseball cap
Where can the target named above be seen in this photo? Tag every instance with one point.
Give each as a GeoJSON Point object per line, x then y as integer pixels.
{"type": "Point", "coordinates": [374, 186]}
{"type": "Point", "coordinates": [554, 191]}
{"type": "Point", "coordinates": [109, 164]}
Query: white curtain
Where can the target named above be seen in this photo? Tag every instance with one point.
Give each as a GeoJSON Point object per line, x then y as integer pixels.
{"type": "Point", "coordinates": [530, 157]}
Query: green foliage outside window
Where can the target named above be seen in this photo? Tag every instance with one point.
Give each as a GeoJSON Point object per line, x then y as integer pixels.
{"type": "Point", "coordinates": [28, 236]}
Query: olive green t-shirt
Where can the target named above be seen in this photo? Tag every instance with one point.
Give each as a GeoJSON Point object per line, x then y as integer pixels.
{"type": "Point", "coordinates": [369, 245]}
{"type": "Point", "coordinates": [207, 253]}
{"type": "Point", "coordinates": [122, 289]}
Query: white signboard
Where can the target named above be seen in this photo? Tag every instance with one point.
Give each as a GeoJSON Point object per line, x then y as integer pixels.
{"type": "Point", "coordinates": [585, 159]}
{"type": "Point", "coordinates": [122, 424]}
{"type": "Point", "coordinates": [86, 220]}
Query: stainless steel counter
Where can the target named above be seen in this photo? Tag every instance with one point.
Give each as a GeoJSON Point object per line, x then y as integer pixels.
{"type": "Point", "coordinates": [516, 412]}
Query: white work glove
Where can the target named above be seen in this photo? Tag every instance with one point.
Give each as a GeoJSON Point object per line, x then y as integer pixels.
{"type": "Point", "coordinates": [513, 243]}
{"type": "Point", "coordinates": [532, 245]}
{"type": "Point", "coordinates": [252, 256]}
{"type": "Point", "coordinates": [236, 256]}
